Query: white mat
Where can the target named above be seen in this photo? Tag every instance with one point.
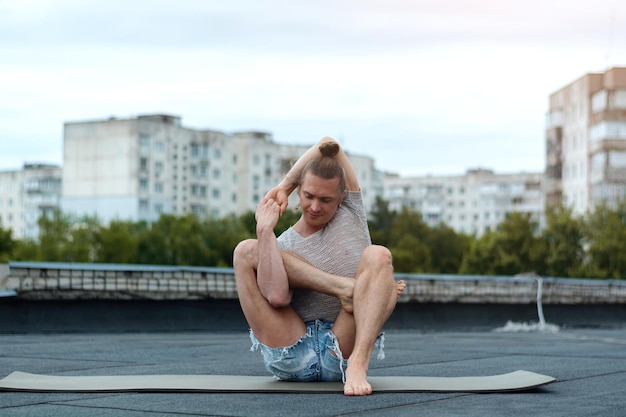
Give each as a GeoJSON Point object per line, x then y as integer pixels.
{"type": "Point", "coordinates": [20, 381]}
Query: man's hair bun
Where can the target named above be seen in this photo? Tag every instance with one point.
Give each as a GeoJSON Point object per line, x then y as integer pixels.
{"type": "Point", "coordinates": [329, 149]}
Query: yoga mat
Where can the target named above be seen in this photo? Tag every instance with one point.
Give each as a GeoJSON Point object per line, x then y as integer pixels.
{"type": "Point", "coordinates": [20, 381]}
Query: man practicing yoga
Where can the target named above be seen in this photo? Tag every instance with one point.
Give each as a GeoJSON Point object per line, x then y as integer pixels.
{"type": "Point", "coordinates": [317, 297]}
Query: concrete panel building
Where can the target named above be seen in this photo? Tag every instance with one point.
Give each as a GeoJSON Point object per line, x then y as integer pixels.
{"type": "Point", "coordinates": [473, 203]}
{"type": "Point", "coordinates": [137, 168]}
{"type": "Point", "coordinates": [586, 141]}
{"type": "Point", "coordinates": [26, 195]}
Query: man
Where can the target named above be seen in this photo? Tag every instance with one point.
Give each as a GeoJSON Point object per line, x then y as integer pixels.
{"type": "Point", "coordinates": [317, 297]}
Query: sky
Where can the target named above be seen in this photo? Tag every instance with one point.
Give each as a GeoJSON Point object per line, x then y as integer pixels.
{"type": "Point", "coordinates": [424, 87]}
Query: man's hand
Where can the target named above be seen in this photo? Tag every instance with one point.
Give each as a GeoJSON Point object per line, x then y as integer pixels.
{"type": "Point", "coordinates": [267, 214]}
{"type": "Point", "coordinates": [280, 196]}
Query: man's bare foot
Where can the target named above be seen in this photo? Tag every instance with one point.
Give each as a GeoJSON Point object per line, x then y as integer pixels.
{"type": "Point", "coordinates": [356, 381]}
{"type": "Point", "coordinates": [400, 286]}
{"type": "Point", "coordinates": [346, 297]}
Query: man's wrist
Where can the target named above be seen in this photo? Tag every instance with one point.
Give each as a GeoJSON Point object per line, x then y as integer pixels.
{"type": "Point", "coordinates": [288, 185]}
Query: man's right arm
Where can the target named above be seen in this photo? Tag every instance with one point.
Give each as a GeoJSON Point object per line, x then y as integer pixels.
{"type": "Point", "coordinates": [271, 274]}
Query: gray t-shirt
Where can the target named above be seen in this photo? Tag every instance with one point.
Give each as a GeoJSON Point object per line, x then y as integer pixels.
{"type": "Point", "coordinates": [336, 249]}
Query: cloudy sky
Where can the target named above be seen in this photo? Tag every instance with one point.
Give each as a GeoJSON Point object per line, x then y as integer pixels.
{"type": "Point", "coordinates": [422, 86]}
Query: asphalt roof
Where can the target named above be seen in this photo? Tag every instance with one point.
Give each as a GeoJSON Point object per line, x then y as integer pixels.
{"type": "Point", "coordinates": [588, 363]}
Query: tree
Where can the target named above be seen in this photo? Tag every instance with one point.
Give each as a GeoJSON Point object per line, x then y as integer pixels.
{"type": "Point", "coordinates": [563, 237]}
{"type": "Point", "coordinates": [82, 244]}
{"type": "Point", "coordinates": [446, 249]}
{"type": "Point", "coordinates": [221, 236]}
{"type": "Point", "coordinates": [407, 242]}
{"type": "Point", "coordinates": [54, 232]}
{"type": "Point", "coordinates": [174, 241]}
{"type": "Point", "coordinates": [410, 255]}
{"type": "Point", "coordinates": [512, 249]}
{"type": "Point", "coordinates": [7, 244]}
{"type": "Point", "coordinates": [119, 242]}
{"type": "Point", "coordinates": [27, 250]}
{"type": "Point", "coordinates": [606, 238]}
{"type": "Point", "coordinates": [381, 221]}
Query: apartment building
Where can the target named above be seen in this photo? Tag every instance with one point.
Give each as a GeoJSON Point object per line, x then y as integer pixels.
{"type": "Point", "coordinates": [140, 167]}
{"type": "Point", "coordinates": [26, 195]}
{"type": "Point", "coordinates": [586, 141]}
{"type": "Point", "coordinates": [137, 168]}
{"type": "Point", "coordinates": [473, 203]}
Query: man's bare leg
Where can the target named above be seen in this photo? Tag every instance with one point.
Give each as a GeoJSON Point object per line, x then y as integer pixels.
{"type": "Point", "coordinates": [304, 275]}
{"type": "Point", "coordinates": [367, 303]}
{"type": "Point", "coordinates": [375, 296]}
{"type": "Point", "coordinates": [273, 326]}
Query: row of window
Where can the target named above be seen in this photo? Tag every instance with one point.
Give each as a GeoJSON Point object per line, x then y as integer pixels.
{"type": "Point", "coordinates": [30, 216]}
{"type": "Point", "coordinates": [197, 190]}
{"type": "Point", "coordinates": [198, 171]}
{"type": "Point", "coordinates": [9, 188]}
{"type": "Point", "coordinates": [196, 150]}
{"type": "Point", "coordinates": [157, 208]}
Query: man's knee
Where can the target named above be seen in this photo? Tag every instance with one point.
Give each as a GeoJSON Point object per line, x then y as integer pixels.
{"type": "Point", "coordinates": [246, 253]}
{"type": "Point", "coordinates": [377, 254]}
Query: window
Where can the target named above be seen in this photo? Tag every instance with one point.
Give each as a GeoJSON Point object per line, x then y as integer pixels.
{"type": "Point", "coordinates": [143, 184]}
{"type": "Point", "coordinates": [198, 210]}
{"type": "Point", "coordinates": [158, 168]}
{"type": "Point", "coordinates": [608, 130]}
{"type": "Point", "coordinates": [199, 150]}
{"type": "Point", "coordinates": [198, 190]}
{"type": "Point", "coordinates": [144, 141]}
{"type": "Point", "coordinates": [158, 187]}
{"type": "Point", "coordinates": [617, 99]}
{"type": "Point", "coordinates": [617, 159]}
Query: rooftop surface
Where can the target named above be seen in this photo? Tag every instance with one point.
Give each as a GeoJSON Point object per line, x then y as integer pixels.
{"type": "Point", "coordinates": [588, 363]}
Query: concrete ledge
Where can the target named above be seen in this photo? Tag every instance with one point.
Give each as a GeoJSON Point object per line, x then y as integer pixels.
{"type": "Point", "coordinates": [66, 281]}
{"type": "Point", "coordinates": [62, 316]}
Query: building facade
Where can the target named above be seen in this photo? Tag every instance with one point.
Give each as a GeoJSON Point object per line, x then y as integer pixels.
{"type": "Point", "coordinates": [137, 168]}
{"type": "Point", "coordinates": [26, 195]}
{"type": "Point", "coordinates": [473, 203]}
{"type": "Point", "coordinates": [586, 141]}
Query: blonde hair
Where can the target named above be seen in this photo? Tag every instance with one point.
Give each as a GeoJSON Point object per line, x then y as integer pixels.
{"type": "Point", "coordinates": [326, 166]}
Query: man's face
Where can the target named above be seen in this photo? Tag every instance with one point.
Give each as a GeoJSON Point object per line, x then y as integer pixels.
{"type": "Point", "coordinates": [319, 200]}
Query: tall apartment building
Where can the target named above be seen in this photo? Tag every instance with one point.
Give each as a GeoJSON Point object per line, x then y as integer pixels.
{"type": "Point", "coordinates": [26, 195]}
{"type": "Point", "coordinates": [137, 168]}
{"type": "Point", "coordinates": [586, 141]}
{"type": "Point", "coordinates": [473, 203]}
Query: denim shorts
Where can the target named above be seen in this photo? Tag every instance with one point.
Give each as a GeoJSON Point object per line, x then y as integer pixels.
{"type": "Point", "coordinates": [314, 357]}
